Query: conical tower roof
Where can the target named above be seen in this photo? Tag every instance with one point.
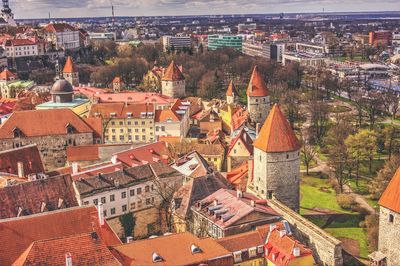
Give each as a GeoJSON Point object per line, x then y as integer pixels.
{"type": "Point", "coordinates": [69, 66]}
{"type": "Point", "coordinates": [276, 135]}
{"type": "Point", "coordinates": [173, 73]}
{"type": "Point", "coordinates": [391, 197]}
{"type": "Point", "coordinates": [257, 86]}
{"type": "Point", "coordinates": [231, 89]}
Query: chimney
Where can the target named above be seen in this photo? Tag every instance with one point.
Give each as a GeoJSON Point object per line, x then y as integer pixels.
{"type": "Point", "coordinates": [114, 159]}
{"type": "Point", "coordinates": [129, 239]}
{"type": "Point", "coordinates": [258, 127]}
{"type": "Point", "coordinates": [68, 259]}
{"type": "Point", "coordinates": [239, 193]}
{"type": "Point", "coordinates": [100, 210]}
{"type": "Point", "coordinates": [296, 252]}
{"type": "Point", "coordinates": [282, 233]}
{"type": "Point", "coordinates": [253, 203]}
{"type": "Point", "coordinates": [272, 227]}
{"type": "Point", "coordinates": [20, 166]}
{"type": "Point", "coordinates": [75, 168]}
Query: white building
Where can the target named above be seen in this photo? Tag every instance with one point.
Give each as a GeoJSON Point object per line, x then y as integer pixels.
{"type": "Point", "coordinates": [23, 48]}
{"type": "Point", "coordinates": [62, 36]}
{"type": "Point", "coordinates": [128, 190]}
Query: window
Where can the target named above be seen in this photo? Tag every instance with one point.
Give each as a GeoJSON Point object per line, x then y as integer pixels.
{"type": "Point", "coordinates": [237, 256]}
{"type": "Point", "coordinates": [112, 197]}
{"type": "Point", "coordinates": [103, 199]}
{"type": "Point", "coordinates": [147, 189]}
{"type": "Point", "coordinates": [234, 151]}
{"type": "Point", "coordinates": [133, 205]}
{"type": "Point", "coordinates": [139, 191]}
{"type": "Point", "coordinates": [162, 128]}
{"type": "Point", "coordinates": [123, 195]}
{"type": "Point", "coordinates": [136, 123]}
{"type": "Point", "coordinates": [112, 211]}
{"type": "Point", "coordinates": [113, 130]}
{"type": "Point", "coordinates": [391, 218]}
{"type": "Point", "coordinates": [86, 203]}
{"type": "Point", "coordinates": [139, 204]}
{"type": "Point", "coordinates": [124, 208]}
{"type": "Point", "coordinates": [143, 137]}
{"type": "Point", "coordinates": [121, 123]}
{"type": "Point", "coordinates": [95, 201]}
{"type": "Point", "coordinates": [252, 252]}
{"type": "Point", "coordinates": [132, 193]}
{"type": "Point", "coordinates": [148, 201]}
{"type": "Point", "coordinates": [157, 128]}
{"type": "Point", "coordinates": [143, 123]}
{"type": "Point", "coordinates": [270, 193]}
{"type": "Point", "coordinates": [143, 130]}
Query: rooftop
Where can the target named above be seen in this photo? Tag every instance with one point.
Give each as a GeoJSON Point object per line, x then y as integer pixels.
{"type": "Point", "coordinates": [391, 196]}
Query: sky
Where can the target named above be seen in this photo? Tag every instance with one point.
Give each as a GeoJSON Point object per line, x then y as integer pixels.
{"type": "Point", "coordinates": [92, 8]}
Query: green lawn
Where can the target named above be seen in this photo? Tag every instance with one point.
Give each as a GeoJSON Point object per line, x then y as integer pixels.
{"type": "Point", "coordinates": [362, 187]}
{"type": "Point", "coordinates": [317, 193]}
{"type": "Point", "coordinates": [313, 164]}
{"type": "Point", "coordinates": [355, 233]}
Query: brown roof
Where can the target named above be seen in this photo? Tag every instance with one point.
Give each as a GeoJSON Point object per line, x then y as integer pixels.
{"type": "Point", "coordinates": [243, 241]}
{"type": "Point", "coordinates": [37, 123]}
{"type": "Point", "coordinates": [257, 86]}
{"type": "Point", "coordinates": [174, 249]}
{"type": "Point", "coordinates": [208, 149]}
{"type": "Point", "coordinates": [30, 197]}
{"type": "Point", "coordinates": [197, 189]}
{"type": "Point", "coordinates": [7, 75]}
{"type": "Point", "coordinates": [18, 234]}
{"type": "Point", "coordinates": [173, 73]}
{"type": "Point", "coordinates": [28, 155]}
{"type": "Point", "coordinates": [69, 66]}
{"type": "Point", "coordinates": [231, 90]}
{"type": "Point", "coordinates": [83, 153]}
{"type": "Point", "coordinates": [166, 115]}
{"type": "Point", "coordinates": [391, 197]}
{"type": "Point", "coordinates": [59, 27]}
{"type": "Point", "coordinates": [84, 249]}
{"type": "Point", "coordinates": [148, 153]}
{"type": "Point", "coordinates": [276, 135]}
{"type": "Point", "coordinates": [95, 123]}
{"type": "Point", "coordinates": [121, 110]}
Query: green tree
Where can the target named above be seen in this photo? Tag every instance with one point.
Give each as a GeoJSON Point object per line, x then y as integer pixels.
{"type": "Point", "coordinates": [128, 222]}
{"type": "Point", "coordinates": [380, 182]}
{"type": "Point", "coordinates": [392, 141]}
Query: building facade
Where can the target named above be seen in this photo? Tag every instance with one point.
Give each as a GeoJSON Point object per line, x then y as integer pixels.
{"type": "Point", "coordinates": [176, 43]}
{"type": "Point", "coordinates": [258, 103]}
{"type": "Point", "coordinates": [62, 36]}
{"type": "Point", "coordinates": [173, 82]}
{"type": "Point", "coordinates": [220, 41]}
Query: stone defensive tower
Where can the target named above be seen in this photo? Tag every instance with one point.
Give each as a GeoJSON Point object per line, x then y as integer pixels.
{"type": "Point", "coordinates": [173, 82]}
{"type": "Point", "coordinates": [389, 224]}
{"type": "Point", "coordinates": [277, 161]}
{"type": "Point", "coordinates": [70, 73]}
{"type": "Point", "coordinates": [231, 94]}
{"type": "Point", "coordinates": [257, 98]}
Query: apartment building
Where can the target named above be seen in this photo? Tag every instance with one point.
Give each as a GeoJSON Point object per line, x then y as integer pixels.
{"type": "Point", "coordinates": [176, 42]}
{"type": "Point", "coordinates": [220, 41]}
{"type": "Point", "coordinates": [23, 48]}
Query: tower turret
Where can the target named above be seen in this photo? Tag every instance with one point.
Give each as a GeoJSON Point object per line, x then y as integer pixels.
{"type": "Point", "coordinates": [70, 73]}
{"type": "Point", "coordinates": [277, 161]}
{"type": "Point", "coordinates": [231, 94]}
{"type": "Point", "coordinates": [257, 98]}
{"type": "Point", "coordinates": [173, 82]}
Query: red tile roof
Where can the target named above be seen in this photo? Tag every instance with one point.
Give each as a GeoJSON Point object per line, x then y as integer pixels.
{"type": "Point", "coordinates": [276, 135]}
{"type": "Point", "coordinates": [257, 86]}
{"type": "Point", "coordinates": [19, 42]}
{"type": "Point", "coordinates": [69, 66]}
{"type": "Point", "coordinates": [391, 196]}
{"type": "Point", "coordinates": [243, 241]}
{"type": "Point", "coordinates": [149, 153]}
{"type": "Point", "coordinates": [84, 249]}
{"type": "Point", "coordinates": [7, 75]}
{"type": "Point", "coordinates": [18, 234]}
{"type": "Point", "coordinates": [27, 198]}
{"type": "Point", "coordinates": [28, 155]}
{"type": "Point", "coordinates": [7, 106]}
{"type": "Point", "coordinates": [82, 153]}
{"type": "Point", "coordinates": [281, 248]}
{"type": "Point", "coordinates": [245, 140]}
{"type": "Point", "coordinates": [166, 115]}
{"type": "Point", "coordinates": [174, 249]}
{"type": "Point", "coordinates": [239, 118]}
{"type": "Point", "coordinates": [238, 176]}
{"type": "Point", "coordinates": [59, 27]}
{"type": "Point", "coordinates": [96, 124]}
{"type": "Point", "coordinates": [231, 90]}
{"type": "Point", "coordinates": [121, 110]}
{"type": "Point", "coordinates": [37, 123]}
{"type": "Point", "coordinates": [173, 73]}
{"type": "Point", "coordinates": [104, 168]}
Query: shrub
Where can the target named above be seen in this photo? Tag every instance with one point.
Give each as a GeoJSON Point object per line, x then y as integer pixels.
{"type": "Point", "coordinates": [346, 201]}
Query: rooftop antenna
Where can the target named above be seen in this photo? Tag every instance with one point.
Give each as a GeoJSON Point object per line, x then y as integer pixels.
{"type": "Point", "coordinates": [113, 15]}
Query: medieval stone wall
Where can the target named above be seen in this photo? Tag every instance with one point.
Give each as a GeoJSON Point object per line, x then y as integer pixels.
{"type": "Point", "coordinates": [52, 148]}
{"type": "Point", "coordinates": [259, 108]}
{"type": "Point", "coordinates": [174, 89]}
{"type": "Point", "coordinates": [327, 250]}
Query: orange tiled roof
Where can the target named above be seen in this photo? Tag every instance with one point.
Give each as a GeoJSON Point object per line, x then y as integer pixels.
{"type": "Point", "coordinates": [175, 249]}
{"type": "Point", "coordinates": [117, 80]}
{"type": "Point", "coordinates": [238, 176]}
{"type": "Point", "coordinates": [59, 27]}
{"type": "Point", "coordinates": [231, 89]}
{"type": "Point", "coordinates": [18, 234]}
{"type": "Point", "coordinates": [7, 75]}
{"type": "Point", "coordinates": [166, 115]}
{"type": "Point", "coordinates": [83, 153]}
{"type": "Point", "coordinates": [276, 135]}
{"type": "Point", "coordinates": [120, 109]}
{"type": "Point", "coordinates": [85, 249]}
{"type": "Point", "coordinates": [391, 197]}
{"type": "Point", "coordinates": [173, 73]}
{"type": "Point", "coordinates": [28, 155]}
{"type": "Point", "coordinates": [69, 66]}
{"type": "Point", "coordinates": [37, 123]}
{"type": "Point", "coordinates": [257, 86]}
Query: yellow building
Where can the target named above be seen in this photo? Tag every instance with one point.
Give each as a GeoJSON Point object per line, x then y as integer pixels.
{"type": "Point", "coordinates": [233, 116]}
{"type": "Point", "coordinates": [152, 79]}
{"type": "Point", "coordinates": [126, 123]}
{"type": "Point", "coordinates": [214, 154]}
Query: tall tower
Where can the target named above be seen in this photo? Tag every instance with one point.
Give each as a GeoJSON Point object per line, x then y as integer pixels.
{"type": "Point", "coordinates": [257, 98]}
{"type": "Point", "coordinates": [173, 82]}
{"type": "Point", "coordinates": [389, 222]}
{"type": "Point", "coordinates": [231, 93]}
{"type": "Point", "coordinates": [7, 14]}
{"type": "Point", "coordinates": [70, 73]}
{"type": "Point", "coordinates": [277, 161]}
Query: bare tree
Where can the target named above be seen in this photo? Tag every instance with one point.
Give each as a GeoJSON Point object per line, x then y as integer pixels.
{"type": "Point", "coordinates": [308, 155]}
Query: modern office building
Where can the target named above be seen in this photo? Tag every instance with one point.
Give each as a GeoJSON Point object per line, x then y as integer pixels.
{"type": "Point", "coordinates": [220, 41]}
{"type": "Point", "coordinates": [268, 51]}
{"type": "Point", "coordinates": [176, 42]}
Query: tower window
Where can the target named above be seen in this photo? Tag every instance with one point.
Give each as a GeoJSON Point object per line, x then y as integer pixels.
{"type": "Point", "coordinates": [391, 218]}
{"type": "Point", "coordinates": [269, 194]}
{"type": "Point", "coordinates": [287, 156]}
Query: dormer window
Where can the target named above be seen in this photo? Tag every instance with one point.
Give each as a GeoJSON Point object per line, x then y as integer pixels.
{"type": "Point", "coordinates": [157, 258]}
{"type": "Point", "coordinates": [195, 249]}
{"type": "Point", "coordinates": [113, 115]}
{"type": "Point", "coordinates": [70, 129]}
{"type": "Point", "coordinates": [17, 133]}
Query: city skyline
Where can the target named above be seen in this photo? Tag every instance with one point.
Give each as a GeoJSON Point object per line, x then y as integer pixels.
{"type": "Point", "coordinates": [97, 8]}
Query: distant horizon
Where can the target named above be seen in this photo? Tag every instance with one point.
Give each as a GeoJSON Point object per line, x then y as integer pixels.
{"type": "Point", "coordinates": [39, 9]}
